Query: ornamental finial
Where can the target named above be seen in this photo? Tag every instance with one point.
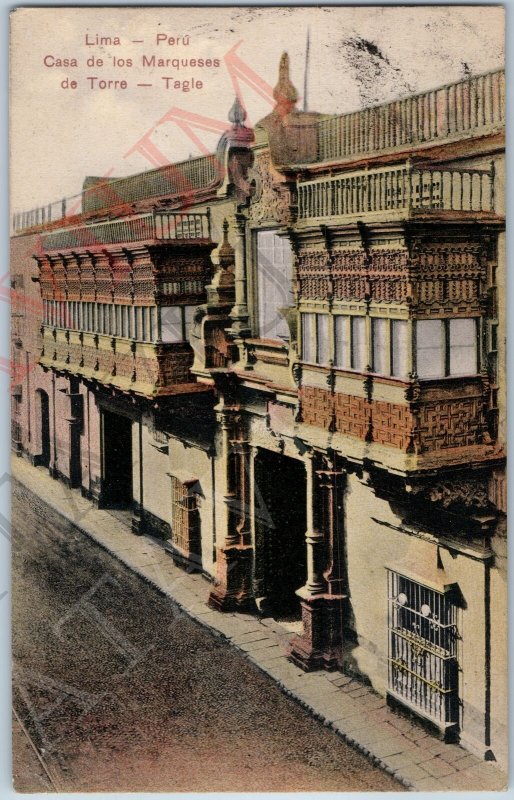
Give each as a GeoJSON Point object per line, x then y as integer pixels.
{"type": "Point", "coordinates": [284, 92]}
{"type": "Point", "coordinates": [237, 113]}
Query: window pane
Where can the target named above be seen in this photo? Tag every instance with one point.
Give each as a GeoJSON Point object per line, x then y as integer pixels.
{"type": "Point", "coordinates": [308, 344]}
{"type": "Point", "coordinates": [153, 323]}
{"type": "Point", "coordinates": [322, 338]}
{"type": "Point", "coordinates": [342, 345]}
{"type": "Point", "coordinates": [463, 347]}
{"type": "Point", "coordinates": [429, 348]}
{"type": "Point", "coordinates": [274, 284]}
{"type": "Point", "coordinates": [124, 321]}
{"type": "Point", "coordinates": [171, 324]}
{"type": "Point", "coordinates": [399, 348]}
{"type": "Point", "coordinates": [189, 312]}
{"type": "Point", "coordinates": [380, 354]}
{"type": "Point", "coordinates": [359, 343]}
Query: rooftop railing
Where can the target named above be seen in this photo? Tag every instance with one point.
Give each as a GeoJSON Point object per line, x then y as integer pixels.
{"type": "Point", "coordinates": [174, 179]}
{"type": "Point", "coordinates": [157, 225]}
{"type": "Point", "coordinates": [474, 104]}
{"type": "Point", "coordinates": [182, 178]}
{"type": "Point", "coordinates": [457, 108]}
{"type": "Point", "coordinates": [396, 189]}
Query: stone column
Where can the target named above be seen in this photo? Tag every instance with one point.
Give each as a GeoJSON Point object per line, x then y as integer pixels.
{"type": "Point", "coordinates": [332, 487]}
{"type": "Point", "coordinates": [306, 650]}
{"type": "Point", "coordinates": [324, 596]}
{"type": "Point", "coordinates": [239, 314]}
{"type": "Point", "coordinates": [234, 557]}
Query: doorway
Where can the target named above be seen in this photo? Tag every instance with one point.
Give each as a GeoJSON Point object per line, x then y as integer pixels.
{"type": "Point", "coordinates": [280, 524]}
{"type": "Point", "coordinates": [117, 460]}
{"type": "Point", "coordinates": [43, 459]}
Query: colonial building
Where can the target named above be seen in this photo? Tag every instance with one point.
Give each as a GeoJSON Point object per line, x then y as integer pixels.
{"type": "Point", "coordinates": [287, 360]}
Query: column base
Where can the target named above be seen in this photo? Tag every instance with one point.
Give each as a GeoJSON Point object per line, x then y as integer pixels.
{"type": "Point", "coordinates": [319, 646]}
{"type": "Point", "coordinates": [232, 590]}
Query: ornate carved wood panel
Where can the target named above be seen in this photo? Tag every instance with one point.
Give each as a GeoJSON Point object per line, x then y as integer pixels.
{"type": "Point", "coordinates": [273, 201]}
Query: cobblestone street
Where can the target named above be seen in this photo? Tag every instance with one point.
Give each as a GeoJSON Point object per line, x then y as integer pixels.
{"type": "Point", "coordinates": [120, 690]}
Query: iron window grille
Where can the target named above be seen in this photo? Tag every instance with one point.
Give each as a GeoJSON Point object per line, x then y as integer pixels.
{"type": "Point", "coordinates": [184, 518]}
{"type": "Point", "coordinates": [423, 650]}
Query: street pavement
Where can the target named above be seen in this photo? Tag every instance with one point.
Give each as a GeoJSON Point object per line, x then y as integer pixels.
{"type": "Point", "coordinates": [120, 690]}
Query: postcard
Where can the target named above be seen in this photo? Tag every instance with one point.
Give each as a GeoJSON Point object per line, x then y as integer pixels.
{"type": "Point", "coordinates": [258, 399]}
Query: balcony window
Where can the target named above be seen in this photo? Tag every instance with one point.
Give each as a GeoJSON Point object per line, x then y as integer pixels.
{"type": "Point", "coordinates": [274, 284]}
{"type": "Point", "coordinates": [463, 347]}
{"type": "Point", "coordinates": [176, 323]}
{"type": "Point", "coordinates": [358, 343]}
{"type": "Point", "coordinates": [309, 338]}
{"type": "Point", "coordinates": [146, 324]}
{"type": "Point", "coordinates": [381, 354]}
{"type": "Point", "coordinates": [154, 335]}
{"type": "Point", "coordinates": [138, 321]}
{"type": "Point", "coordinates": [171, 324]}
{"type": "Point", "coordinates": [342, 341]}
{"type": "Point", "coordinates": [399, 348]}
{"type": "Point", "coordinates": [430, 348]}
{"type": "Point", "coordinates": [322, 339]}
{"type": "Point", "coordinates": [446, 348]}
{"type": "Point", "coordinates": [189, 312]}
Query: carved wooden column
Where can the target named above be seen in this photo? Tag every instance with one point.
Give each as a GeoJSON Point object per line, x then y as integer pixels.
{"type": "Point", "coordinates": [234, 557]}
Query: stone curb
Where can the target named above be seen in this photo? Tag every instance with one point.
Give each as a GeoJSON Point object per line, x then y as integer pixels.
{"type": "Point", "coordinates": [367, 751]}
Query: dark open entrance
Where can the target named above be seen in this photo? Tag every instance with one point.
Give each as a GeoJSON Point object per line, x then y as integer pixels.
{"type": "Point", "coordinates": [44, 457]}
{"type": "Point", "coordinates": [280, 523]}
{"type": "Point", "coordinates": [117, 460]}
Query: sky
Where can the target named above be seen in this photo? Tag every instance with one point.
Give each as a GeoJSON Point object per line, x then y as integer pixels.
{"type": "Point", "coordinates": [358, 56]}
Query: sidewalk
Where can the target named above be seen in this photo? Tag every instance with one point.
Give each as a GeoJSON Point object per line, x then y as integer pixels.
{"type": "Point", "coordinates": [393, 742]}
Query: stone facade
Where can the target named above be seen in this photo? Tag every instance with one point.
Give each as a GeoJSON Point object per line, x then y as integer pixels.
{"type": "Point", "coordinates": [287, 360]}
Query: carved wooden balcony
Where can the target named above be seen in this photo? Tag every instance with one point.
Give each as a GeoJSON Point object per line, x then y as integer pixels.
{"type": "Point", "coordinates": [441, 420]}
{"type": "Point", "coordinates": [148, 369]}
{"type": "Point", "coordinates": [398, 193]}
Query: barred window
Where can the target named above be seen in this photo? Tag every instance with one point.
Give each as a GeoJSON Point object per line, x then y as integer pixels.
{"type": "Point", "coordinates": [423, 657]}
{"type": "Point", "coordinates": [185, 523]}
